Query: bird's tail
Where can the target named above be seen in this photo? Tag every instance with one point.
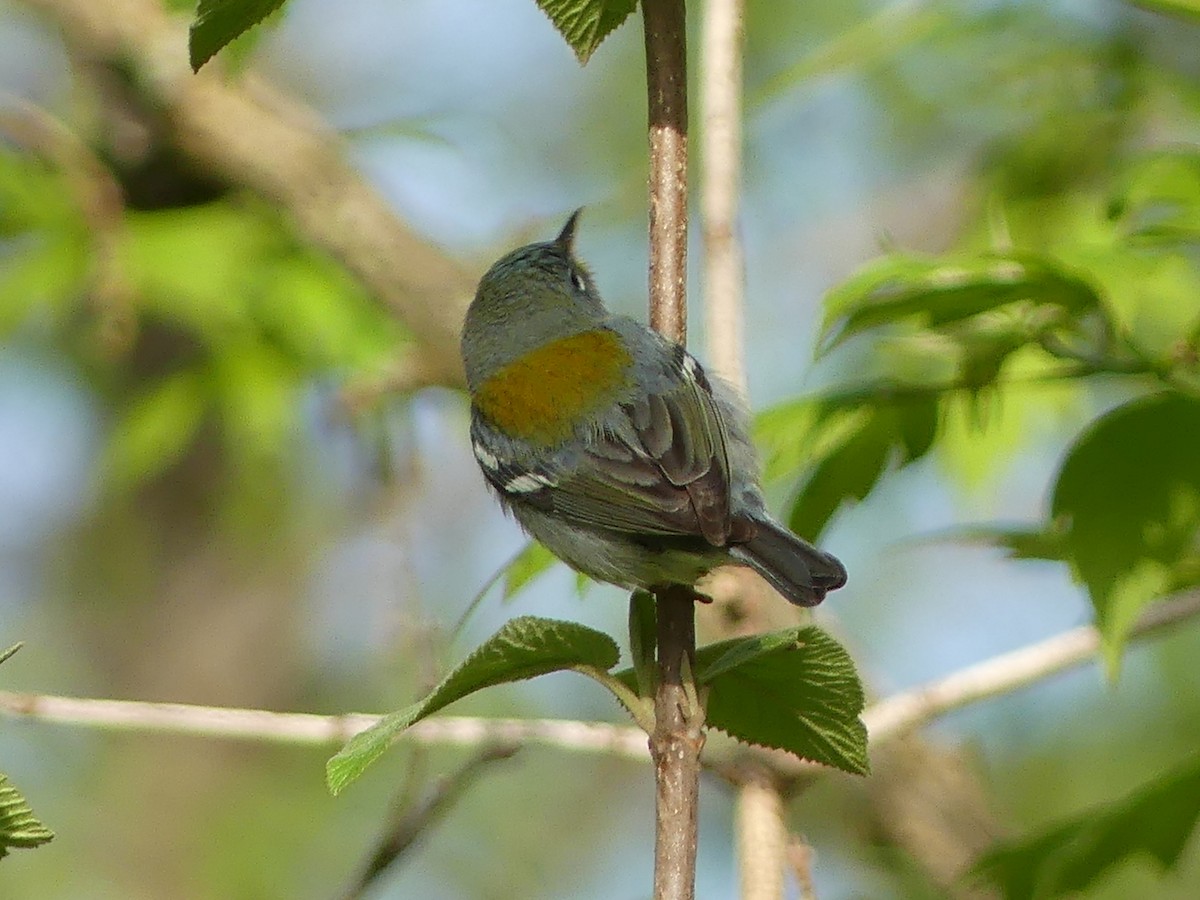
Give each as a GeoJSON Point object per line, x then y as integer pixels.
{"type": "Point", "coordinates": [794, 567]}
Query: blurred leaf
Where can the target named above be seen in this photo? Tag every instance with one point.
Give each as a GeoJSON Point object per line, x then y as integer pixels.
{"type": "Point", "coordinates": [1160, 202]}
{"type": "Point", "coordinates": [257, 390]}
{"type": "Point", "coordinates": [1188, 9]}
{"type": "Point", "coordinates": [310, 305]}
{"type": "Point", "coordinates": [1155, 820]}
{"type": "Point", "coordinates": [794, 434]}
{"type": "Point", "coordinates": [889, 435]}
{"type": "Point", "coordinates": [794, 690]}
{"type": "Point", "coordinates": [155, 430]}
{"type": "Point", "coordinates": [586, 23]}
{"type": "Point", "coordinates": [886, 33]}
{"type": "Point", "coordinates": [525, 567]}
{"type": "Point", "coordinates": [46, 272]}
{"type": "Point", "coordinates": [8, 654]}
{"type": "Point", "coordinates": [1129, 491]}
{"type": "Point", "coordinates": [19, 827]}
{"type": "Point", "coordinates": [196, 265]}
{"type": "Point", "coordinates": [937, 293]}
{"type": "Point", "coordinates": [524, 648]}
{"type": "Point", "coordinates": [220, 21]}
{"type": "Point", "coordinates": [1021, 543]}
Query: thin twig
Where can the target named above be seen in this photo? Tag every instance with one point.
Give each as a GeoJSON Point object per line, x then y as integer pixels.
{"type": "Point", "coordinates": [310, 729]}
{"type": "Point", "coordinates": [800, 860]}
{"type": "Point", "coordinates": [411, 821]}
{"type": "Point", "coordinates": [887, 720]}
{"type": "Point", "coordinates": [902, 713]}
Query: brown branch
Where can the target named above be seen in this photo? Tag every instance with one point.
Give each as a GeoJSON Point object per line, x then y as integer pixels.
{"type": "Point", "coordinates": [675, 746]}
{"type": "Point", "coordinates": [666, 80]}
{"type": "Point", "coordinates": [250, 136]}
{"type": "Point", "coordinates": [678, 730]}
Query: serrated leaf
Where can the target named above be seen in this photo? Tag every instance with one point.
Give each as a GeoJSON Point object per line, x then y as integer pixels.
{"type": "Point", "coordinates": [524, 648]}
{"type": "Point", "coordinates": [220, 21]}
{"type": "Point", "coordinates": [795, 690]}
{"type": "Point", "coordinates": [1155, 821]}
{"type": "Point", "coordinates": [1129, 493]}
{"type": "Point", "coordinates": [937, 293]}
{"type": "Point", "coordinates": [19, 827]}
{"type": "Point", "coordinates": [716, 659]}
{"type": "Point", "coordinates": [584, 24]}
{"type": "Point", "coordinates": [525, 567]}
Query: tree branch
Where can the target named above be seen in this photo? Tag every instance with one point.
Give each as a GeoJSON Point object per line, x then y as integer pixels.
{"type": "Point", "coordinates": [678, 732]}
{"type": "Point", "coordinates": [251, 136]}
{"type": "Point", "coordinates": [887, 719]}
{"type": "Point", "coordinates": [720, 182]}
{"type": "Point", "coordinates": [902, 713]}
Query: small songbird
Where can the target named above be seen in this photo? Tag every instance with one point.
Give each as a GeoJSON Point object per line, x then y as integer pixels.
{"type": "Point", "coordinates": [609, 443]}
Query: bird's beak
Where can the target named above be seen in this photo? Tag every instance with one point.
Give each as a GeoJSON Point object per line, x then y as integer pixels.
{"type": "Point", "coordinates": [566, 237]}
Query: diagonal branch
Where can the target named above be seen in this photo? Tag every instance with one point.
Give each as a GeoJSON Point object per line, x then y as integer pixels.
{"type": "Point", "coordinates": [251, 136]}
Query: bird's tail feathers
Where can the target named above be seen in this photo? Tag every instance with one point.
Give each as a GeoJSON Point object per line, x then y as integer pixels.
{"type": "Point", "coordinates": [794, 567]}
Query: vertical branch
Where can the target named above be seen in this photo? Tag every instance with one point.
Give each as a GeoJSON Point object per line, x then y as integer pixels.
{"type": "Point", "coordinates": [761, 831]}
{"type": "Point", "coordinates": [678, 735]}
{"type": "Point", "coordinates": [720, 182]}
{"type": "Point", "coordinates": [761, 836]}
{"type": "Point", "coordinates": [666, 80]}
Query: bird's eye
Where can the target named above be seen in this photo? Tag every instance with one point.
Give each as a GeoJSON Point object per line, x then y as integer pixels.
{"type": "Point", "coordinates": [577, 280]}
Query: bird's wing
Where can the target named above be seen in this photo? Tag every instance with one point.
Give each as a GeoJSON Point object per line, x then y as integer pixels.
{"type": "Point", "coordinates": [661, 468]}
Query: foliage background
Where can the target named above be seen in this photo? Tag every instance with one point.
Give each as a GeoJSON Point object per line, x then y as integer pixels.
{"type": "Point", "coordinates": [191, 510]}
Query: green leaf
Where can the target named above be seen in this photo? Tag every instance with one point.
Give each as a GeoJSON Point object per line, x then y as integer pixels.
{"type": "Point", "coordinates": [795, 690]}
{"type": "Point", "coordinates": [1160, 203]}
{"type": "Point", "coordinates": [525, 567]}
{"type": "Point", "coordinates": [1021, 543]}
{"type": "Point", "coordinates": [524, 648]}
{"type": "Point", "coordinates": [937, 293]}
{"type": "Point", "coordinates": [643, 636]}
{"type": "Point", "coordinates": [1188, 9]}
{"type": "Point", "coordinates": [1155, 820]}
{"type": "Point", "coordinates": [1128, 494]}
{"type": "Point", "coordinates": [220, 21]}
{"type": "Point", "coordinates": [156, 429]}
{"type": "Point", "coordinates": [19, 827]}
{"type": "Point", "coordinates": [586, 23]}
{"type": "Point", "coordinates": [887, 435]}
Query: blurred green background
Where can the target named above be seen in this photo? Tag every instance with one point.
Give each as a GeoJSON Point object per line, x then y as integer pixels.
{"type": "Point", "coordinates": [209, 495]}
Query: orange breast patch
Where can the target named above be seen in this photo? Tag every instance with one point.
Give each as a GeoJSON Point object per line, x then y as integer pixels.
{"type": "Point", "coordinates": [542, 395]}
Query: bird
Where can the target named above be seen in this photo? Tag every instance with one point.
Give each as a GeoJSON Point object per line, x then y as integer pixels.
{"type": "Point", "coordinates": [610, 444]}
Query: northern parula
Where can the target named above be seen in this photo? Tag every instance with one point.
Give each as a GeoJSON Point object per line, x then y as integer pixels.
{"type": "Point", "coordinates": [609, 443]}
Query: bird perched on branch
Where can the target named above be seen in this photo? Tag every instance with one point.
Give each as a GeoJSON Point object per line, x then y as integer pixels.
{"type": "Point", "coordinates": [609, 443]}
